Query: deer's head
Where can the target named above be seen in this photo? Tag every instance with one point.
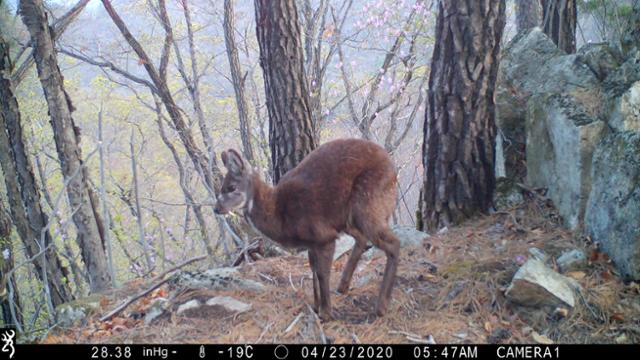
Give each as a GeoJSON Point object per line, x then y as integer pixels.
{"type": "Point", "coordinates": [236, 190]}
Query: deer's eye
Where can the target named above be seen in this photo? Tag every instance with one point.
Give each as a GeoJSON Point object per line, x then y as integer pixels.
{"type": "Point", "coordinates": [232, 188]}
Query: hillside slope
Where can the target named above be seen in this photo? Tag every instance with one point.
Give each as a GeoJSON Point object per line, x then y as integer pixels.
{"type": "Point", "coordinates": [449, 290]}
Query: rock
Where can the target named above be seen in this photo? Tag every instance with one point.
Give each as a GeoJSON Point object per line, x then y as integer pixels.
{"type": "Point", "coordinates": [561, 138]}
{"type": "Point", "coordinates": [601, 58]}
{"type": "Point", "coordinates": [625, 110]}
{"type": "Point", "coordinates": [532, 65]}
{"type": "Point", "coordinates": [371, 253]}
{"type": "Point", "coordinates": [572, 260]}
{"type": "Point", "coordinates": [157, 308]}
{"type": "Point", "coordinates": [534, 284]}
{"type": "Point", "coordinates": [75, 312]}
{"type": "Point", "coordinates": [613, 210]}
{"type": "Point", "coordinates": [229, 304]}
{"type": "Point", "coordinates": [409, 236]}
{"type": "Point", "coordinates": [364, 280]}
{"type": "Point", "coordinates": [620, 80]}
{"type": "Point", "coordinates": [538, 254]}
{"type": "Point", "coordinates": [215, 279]}
{"type": "Point", "coordinates": [343, 244]}
{"type": "Point", "coordinates": [507, 195]}
{"type": "Point", "coordinates": [189, 305]}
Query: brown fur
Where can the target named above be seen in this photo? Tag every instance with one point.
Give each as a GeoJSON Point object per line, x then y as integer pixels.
{"type": "Point", "coordinates": [346, 185]}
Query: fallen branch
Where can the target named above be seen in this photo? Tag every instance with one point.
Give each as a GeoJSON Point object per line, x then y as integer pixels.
{"type": "Point", "coordinates": [534, 192]}
{"type": "Point", "coordinates": [293, 323]}
{"type": "Point", "coordinates": [142, 294]}
{"type": "Point", "coordinates": [179, 266]}
{"type": "Point", "coordinates": [248, 252]}
{"type": "Point", "coordinates": [323, 337]}
{"type": "Point", "coordinates": [414, 337]}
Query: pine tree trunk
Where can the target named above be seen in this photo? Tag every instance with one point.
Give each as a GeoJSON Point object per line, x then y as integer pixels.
{"type": "Point", "coordinates": [238, 81]}
{"type": "Point", "coordinates": [22, 189]}
{"type": "Point", "coordinates": [67, 138]}
{"type": "Point", "coordinates": [559, 19]}
{"type": "Point", "coordinates": [291, 128]}
{"type": "Point", "coordinates": [527, 14]}
{"type": "Point", "coordinates": [459, 131]}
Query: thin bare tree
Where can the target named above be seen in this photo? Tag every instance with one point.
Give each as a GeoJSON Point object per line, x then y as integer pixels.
{"type": "Point", "coordinates": [22, 189]}
{"type": "Point", "coordinates": [67, 139]}
{"type": "Point", "coordinates": [238, 80]}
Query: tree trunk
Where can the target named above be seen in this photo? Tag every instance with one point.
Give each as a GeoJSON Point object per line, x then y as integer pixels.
{"type": "Point", "coordinates": [559, 19]}
{"type": "Point", "coordinates": [459, 130]}
{"type": "Point", "coordinates": [291, 129]}
{"type": "Point", "coordinates": [24, 197]}
{"type": "Point", "coordinates": [238, 81]}
{"type": "Point", "coordinates": [67, 138]}
{"type": "Point", "coordinates": [6, 265]}
{"type": "Point", "coordinates": [527, 14]}
{"type": "Point", "coordinates": [188, 196]}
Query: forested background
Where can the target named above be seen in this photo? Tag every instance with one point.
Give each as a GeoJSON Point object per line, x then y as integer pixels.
{"type": "Point", "coordinates": [157, 90]}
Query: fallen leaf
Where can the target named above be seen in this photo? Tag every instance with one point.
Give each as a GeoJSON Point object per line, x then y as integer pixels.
{"type": "Point", "coordinates": [541, 339]}
{"type": "Point", "coordinates": [607, 275]}
{"type": "Point", "coordinates": [488, 327]}
{"type": "Point", "coordinates": [104, 302]}
{"type": "Point", "coordinates": [102, 333]}
{"type": "Point", "coordinates": [117, 328]}
{"type": "Point", "coordinates": [562, 312]}
{"type": "Point", "coordinates": [118, 321]}
{"type": "Point", "coordinates": [617, 317]}
{"type": "Point", "coordinates": [576, 275]}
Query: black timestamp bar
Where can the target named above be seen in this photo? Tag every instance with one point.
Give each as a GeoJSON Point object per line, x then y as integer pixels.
{"type": "Point", "coordinates": [313, 352]}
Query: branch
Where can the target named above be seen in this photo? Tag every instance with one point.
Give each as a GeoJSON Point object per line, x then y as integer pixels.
{"type": "Point", "coordinates": [59, 28]}
{"type": "Point", "coordinates": [168, 39]}
{"type": "Point", "coordinates": [142, 294]}
{"type": "Point", "coordinates": [110, 65]}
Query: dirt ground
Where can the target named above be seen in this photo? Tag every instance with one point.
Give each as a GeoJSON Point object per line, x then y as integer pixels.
{"type": "Point", "coordinates": [450, 290]}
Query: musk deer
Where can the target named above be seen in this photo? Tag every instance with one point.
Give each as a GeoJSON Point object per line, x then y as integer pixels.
{"type": "Point", "coordinates": [346, 185]}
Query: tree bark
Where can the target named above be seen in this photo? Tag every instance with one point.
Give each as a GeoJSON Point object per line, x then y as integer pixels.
{"type": "Point", "coordinates": [291, 128]}
{"type": "Point", "coordinates": [67, 138]}
{"type": "Point", "coordinates": [527, 14]}
{"type": "Point", "coordinates": [6, 265]}
{"type": "Point", "coordinates": [559, 18]}
{"type": "Point", "coordinates": [238, 81]}
{"type": "Point", "coordinates": [459, 130]}
{"type": "Point", "coordinates": [30, 220]}
{"type": "Point", "coordinates": [59, 27]}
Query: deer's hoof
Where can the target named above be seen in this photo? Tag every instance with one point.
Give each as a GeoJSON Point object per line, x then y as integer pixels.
{"type": "Point", "coordinates": [381, 309]}
{"type": "Point", "coordinates": [327, 315]}
{"type": "Point", "coordinates": [343, 289]}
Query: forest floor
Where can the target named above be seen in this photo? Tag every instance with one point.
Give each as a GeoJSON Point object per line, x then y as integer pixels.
{"type": "Point", "coordinates": [450, 290]}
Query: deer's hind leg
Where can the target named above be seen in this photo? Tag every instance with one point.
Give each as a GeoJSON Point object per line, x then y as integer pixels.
{"type": "Point", "coordinates": [359, 248]}
{"type": "Point", "coordinates": [390, 244]}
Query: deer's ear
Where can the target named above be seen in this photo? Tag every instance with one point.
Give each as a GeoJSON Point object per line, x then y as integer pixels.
{"type": "Point", "coordinates": [233, 161]}
{"type": "Point", "coordinates": [225, 158]}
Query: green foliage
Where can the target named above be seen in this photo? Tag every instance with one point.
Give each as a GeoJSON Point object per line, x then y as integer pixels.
{"type": "Point", "coordinates": [613, 18]}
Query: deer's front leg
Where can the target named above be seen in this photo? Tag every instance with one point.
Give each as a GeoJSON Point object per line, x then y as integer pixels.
{"type": "Point", "coordinates": [324, 258]}
{"type": "Point", "coordinates": [313, 261]}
